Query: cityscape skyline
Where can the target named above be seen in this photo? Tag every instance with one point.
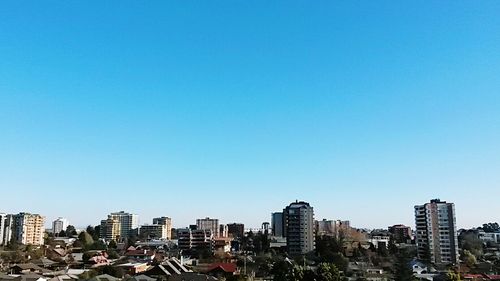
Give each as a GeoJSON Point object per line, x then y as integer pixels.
{"type": "Point", "coordinates": [233, 110]}
{"type": "Point", "coordinates": [147, 221]}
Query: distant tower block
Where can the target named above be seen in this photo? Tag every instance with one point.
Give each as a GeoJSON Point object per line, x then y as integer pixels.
{"type": "Point", "coordinates": [265, 226]}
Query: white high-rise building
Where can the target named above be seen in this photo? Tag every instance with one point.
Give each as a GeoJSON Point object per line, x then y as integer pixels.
{"type": "Point", "coordinates": [208, 224]}
{"type": "Point", "coordinates": [298, 220]}
{"type": "Point", "coordinates": [5, 228]}
{"type": "Point", "coordinates": [59, 225]}
{"type": "Point", "coordinates": [128, 222]}
{"type": "Point", "coordinates": [436, 232]}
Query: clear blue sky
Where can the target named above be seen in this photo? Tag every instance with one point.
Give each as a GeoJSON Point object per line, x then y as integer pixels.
{"type": "Point", "coordinates": [233, 109]}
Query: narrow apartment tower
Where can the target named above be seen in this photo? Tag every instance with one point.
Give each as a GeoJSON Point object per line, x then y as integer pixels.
{"type": "Point", "coordinates": [298, 219]}
{"type": "Point", "coordinates": [436, 232]}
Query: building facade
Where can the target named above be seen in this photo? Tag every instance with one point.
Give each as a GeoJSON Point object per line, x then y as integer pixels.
{"type": "Point", "coordinates": [236, 230]}
{"type": "Point", "coordinates": [208, 224]}
{"type": "Point", "coordinates": [325, 227]}
{"type": "Point", "coordinates": [111, 229]}
{"type": "Point", "coordinates": [195, 239]}
{"type": "Point", "coordinates": [129, 224]}
{"type": "Point", "coordinates": [436, 233]}
{"type": "Point", "coordinates": [28, 229]}
{"type": "Point", "coordinates": [223, 231]}
{"type": "Point", "coordinates": [401, 233]}
{"type": "Point", "coordinates": [298, 220]}
{"type": "Point", "coordinates": [167, 222]}
{"type": "Point", "coordinates": [59, 225]}
{"type": "Point", "coordinates": [5, 228]}
{"type": "Point", "coordinates": [277, 224]}
{"type": "Point", "coordinates": [154, 231]}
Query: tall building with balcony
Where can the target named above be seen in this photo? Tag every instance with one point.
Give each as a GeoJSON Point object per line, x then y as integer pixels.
{"type": "Point", "coordinates": [111, 229]}
{"type": "Point", "coordinates": [167, 222]}
{"type": "Point", "coordinates": [199, 239]}
{"type": "Point", "coordinates": [208, 224]}
{"type": "Point", "coordinates": [436, 233]}
{"type": "Point", "coordinates": [298, 219]}
{"type": "Point", "coordinates": [59, 225]}
{"type": "Point", "coordinates": [277, 224]}
{"type": "Point", "coordinates": [28, 229]}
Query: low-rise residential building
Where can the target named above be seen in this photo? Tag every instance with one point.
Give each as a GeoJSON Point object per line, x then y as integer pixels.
{"type": "Point", "coordinates": [236, 230]}
{"type": "Point", "coordinates": [493, 237]}
{"type": "Point", "coordinates": [154, 231]}
{"type": "Point", "coordinates": [379, 241]}
{"type": "Point", "coordinates": [325, 227]}
{"type": "Point", "coordinates": [401, 233]}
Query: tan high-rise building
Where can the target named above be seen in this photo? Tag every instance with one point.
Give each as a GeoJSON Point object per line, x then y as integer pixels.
{"type": "Point", "coordinates": [111, 229]}
{"type": "Point", "coordinates": [28, 229]}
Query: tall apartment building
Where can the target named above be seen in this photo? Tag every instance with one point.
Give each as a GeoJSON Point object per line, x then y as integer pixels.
{"type": "Point", "coordinates": [28, 229]}
{"type": "Point", "coordinates": [195, 239]}
{"type": "Point", "coordinates": [167, 222]}
{"type": "Point", "coordinates": [401, 233]}
{"type": "Point", "coordinates": [129, 223]}
{"type": "Point", "coordinates": [298, 220]}
{"type": "Point", "coordinates": [111, 229]}
{"type": "Point", "coordinates": [436, 233]}
{"type": "Point", "coordinates": [208, 224]}
{"type": "Point", "coordinates": [223, 231]}
{"type": "Point", "coordinates": [236, 230]}
{"type": "Point", "coordinates": [59, 225]}
{"type": "Point", "coordinates": [277, 224]}
{"type": "Point", "coordinates": [5, 228]}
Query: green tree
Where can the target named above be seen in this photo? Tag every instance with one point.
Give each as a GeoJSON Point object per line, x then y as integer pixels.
{"type": "Point", "coordinates": [97, 232]}
{"type": "Point", "coordinates": [328, 272]}
{"type": "Point", "coordinates": [491, 227]}
{"type": "Point", "coordinates": [469, 240]}
{"type": "Point", "coordinates": [71, 231]}
{"type": "Point", "coordinates": [112, 254]}
{"type": "Point", "coordinates": [112, 244]}
{"type": "Point", "coordinates": [280, 270]}
{"type": "Point", "coordinates": [453, 276]}
{"type": "Point", "coordinates": [469, 258]}
{"type": "Point", "coordinates": [85, 238]}
{"type": "Point", "coordinates": [403, 271]}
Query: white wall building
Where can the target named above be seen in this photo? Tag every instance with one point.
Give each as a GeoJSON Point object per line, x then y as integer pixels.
{"type": "Point", "coordinates": [59, 225]}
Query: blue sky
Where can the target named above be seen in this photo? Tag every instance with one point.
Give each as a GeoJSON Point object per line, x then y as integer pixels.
{"type": "Point", "coordinates": [233, 109]}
